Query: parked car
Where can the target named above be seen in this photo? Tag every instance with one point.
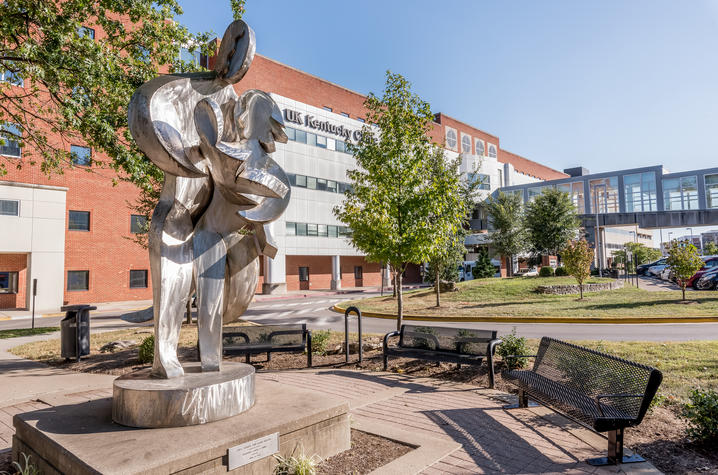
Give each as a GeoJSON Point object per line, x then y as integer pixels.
{"type": "Point", "coordinates": [656, 270]}
{"type": "Point", "coordinates": [528, 272]}
{"type": "Point", "coordinates": [643, 268]}
{"type": "Point", "coordinates": [667, 274]}
{"type": "Point", "coordinates": [710, 263]}
{"type": "Point", "coordinates": [708, 281]}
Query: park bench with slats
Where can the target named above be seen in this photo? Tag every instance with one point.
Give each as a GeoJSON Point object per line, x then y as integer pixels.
{"type": "Point", "coordinates": [255, 339]}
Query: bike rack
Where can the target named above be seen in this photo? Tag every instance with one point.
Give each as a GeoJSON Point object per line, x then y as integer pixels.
{"type": "Point", "coordinates": [346, 333]}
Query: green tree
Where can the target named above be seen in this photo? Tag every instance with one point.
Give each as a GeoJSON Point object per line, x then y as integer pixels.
{"type": "Point", "coordinates": [397, 209]}
{"type": "Point", "coordinates": [483, 267]}
{"type": "Point", "coordinates": [506, 213]}
{"type": "Point", "coordinates": [443, 265]}
{"type": "Point", "coordinates": [710, 249]}
{"type": "Point", "coordinates": [641, 254]}
{"type": "Point", "coordinates": [577, 259]}
{"type": "Point", "coordinates": [684, 260]}
{"type": "Point", "coordinates": [551, 222]}
{"type": "Point", "coordinates": [80, 62]}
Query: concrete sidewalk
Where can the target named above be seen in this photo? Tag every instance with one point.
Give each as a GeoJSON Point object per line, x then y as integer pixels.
{"type": "Point", "coordinates": [102, 307]}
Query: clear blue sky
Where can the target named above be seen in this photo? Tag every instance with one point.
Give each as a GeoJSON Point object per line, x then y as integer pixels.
{"type": "Point", "coordinates": [606, 84]}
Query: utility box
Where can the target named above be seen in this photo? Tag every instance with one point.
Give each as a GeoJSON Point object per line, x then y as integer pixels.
{"type": "Point", "coordinates": [75, 331]}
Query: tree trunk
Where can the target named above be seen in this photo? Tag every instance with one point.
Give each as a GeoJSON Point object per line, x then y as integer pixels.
{"type": "Point", "coordinates": [510, 266]}
{"type": "Point", "coordinates": [399, 302]}
{"type": "Point", "coordinates": [437, 286]}
{"type": "Point", "coordinates": [580, 289]}
{"type": "Point", "coordinates": [683, 288]}
{"type": "Point", "coordinates": [393, 282]}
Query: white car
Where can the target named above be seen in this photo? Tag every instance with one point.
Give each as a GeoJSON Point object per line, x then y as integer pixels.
{"type": "Point", "coordinates": [531, 272]}
{"type": "Point", "coordinates": [655, 271]}
{"type": "Point", "coordinates": [666, 273]}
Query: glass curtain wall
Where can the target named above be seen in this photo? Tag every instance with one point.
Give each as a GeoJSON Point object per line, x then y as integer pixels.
{"type": "Point", "coordinates": [712, 191]}
{"type": "Point", "coordinates": [604, 195]}
{"type": "Point", "coordinates": [640, 192]}
{"type": "Point", "coordinates": [680, 193]}
{"type": "Point", "coordinates": [575, 192]}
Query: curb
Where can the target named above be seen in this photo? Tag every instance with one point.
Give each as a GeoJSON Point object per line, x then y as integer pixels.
{"type": "Point", "coordinates": [62, 314]}
{"type": "Point", "coordinates": [605, 320]}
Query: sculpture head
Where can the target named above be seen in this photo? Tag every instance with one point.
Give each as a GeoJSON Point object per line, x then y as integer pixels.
{"type": "Point", "coordinates": [236, 52]}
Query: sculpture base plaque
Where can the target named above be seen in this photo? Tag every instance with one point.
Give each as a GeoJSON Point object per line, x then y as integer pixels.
{"type": "Point", "coordinates": [140, 400]}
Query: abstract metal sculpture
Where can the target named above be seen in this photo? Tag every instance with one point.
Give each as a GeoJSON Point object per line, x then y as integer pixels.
{"type": "Point", "coordinates": [221, 189]}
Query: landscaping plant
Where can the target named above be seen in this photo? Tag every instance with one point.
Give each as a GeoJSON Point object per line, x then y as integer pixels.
{"type": "Point", "coordinates": [300, 464]}
{"type": "Point", "coordinates": [24, 468]}
{"type": "Point", "coordinates": [483, 268]}
{"type": "Point", "coordinates": [513, 346]}
{"type": "Point", "coordinates": [506, 215]}
{"type": "Point", "coordinates": [546, 271]}
{"type": "Point", "coordinates": [560, 272]}
{"type": "Point", "coordinates": [147, 350]}
{"type": "Point", "coordinates": [577, 259]}
{"type": "Point", "coordinates": [551, 221]}
{"type": "Point", "coordinates": [701, 412]}
{"type": "Point", "coordinates": [684, 260]}
{"type": "Point", "coordinates": [320, 341]}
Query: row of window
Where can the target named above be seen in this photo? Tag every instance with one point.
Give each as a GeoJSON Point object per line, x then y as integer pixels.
{"type": "Point", "coordinates": [79, 280]}
{"type": "Point", "coordinates": [304, 273]}
{"type": "Point", "coordinates": [479, 145]}
{"type": "Point", "coordinates": [11, 138]}
{"type": "Point", "coordinates": [8, 282]}
{"type": "Point", "coordinates": [321, 230]}
{"type": "Point", "coordinates": [309, 138]}
{"type": "Point", "coordinates": [80, 221]}
{"type": "Point", "coordinates": [314, 183]}
{"type": "Point", "coordinates": [484, 180]}
{"type": "Point", "coordinates": [640, 193]}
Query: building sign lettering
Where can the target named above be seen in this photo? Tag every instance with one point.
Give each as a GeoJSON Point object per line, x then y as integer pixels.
{"type": "Point", "coordinates": [312, 122]}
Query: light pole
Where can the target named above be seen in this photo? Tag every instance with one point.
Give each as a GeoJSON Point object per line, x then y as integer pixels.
{"type": "Point", "coordinates": [669, 240]}
{"type": "Point", "coordinates": [599, 249]}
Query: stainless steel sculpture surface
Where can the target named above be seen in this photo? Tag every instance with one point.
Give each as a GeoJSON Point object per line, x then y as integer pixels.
{"type": "Point", "coordinates": [221, 189]}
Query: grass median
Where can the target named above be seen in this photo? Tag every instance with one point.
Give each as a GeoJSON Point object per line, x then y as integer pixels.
{"type": "Point", "coordinates": [517, 297]}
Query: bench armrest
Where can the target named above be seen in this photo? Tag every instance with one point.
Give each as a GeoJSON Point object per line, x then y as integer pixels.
{"type": "Point", "coordinates": [611, 396]}
{"type": "Point", "coordinates": [492, 346]}
{"type": "Point", "coordinates": [387, 336]}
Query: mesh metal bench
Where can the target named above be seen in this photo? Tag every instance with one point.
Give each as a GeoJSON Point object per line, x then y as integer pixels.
{"type": "Point", "coordinates": [256, 339]}
{"type": "Point", "coordinates": [598, 390]}
{"type": "Point", "coordinates": [447, 344]}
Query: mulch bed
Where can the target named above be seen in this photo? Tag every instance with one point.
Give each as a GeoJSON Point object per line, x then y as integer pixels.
{"type": "Point", "coordinates": [368, 452]}
{"type": "Point", "coordinates": [660, 438]}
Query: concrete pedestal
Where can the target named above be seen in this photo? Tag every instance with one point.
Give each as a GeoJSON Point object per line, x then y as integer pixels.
{"type": "Point", "coordinates": [82, 439]}
{"type": "Point", "coordinates": [196, 398]}
{"type": "Point", "coordinates": [277, 288]}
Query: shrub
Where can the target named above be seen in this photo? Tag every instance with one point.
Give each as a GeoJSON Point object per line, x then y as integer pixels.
{"type": "Point", "coordinates": [702, 415]}
{"type": "Point", "coordinates": [561, 272]}
{"type": "Point", "coordinates": [147, 350]}
{"type": "Point", "coordinates": [301, 464]}
{"type": "Point", "coordinates": [320, 341]}
{"type": "Point", "coordinates": [513, 345]}
{"type": "Point", "coordinates": [546, 271]}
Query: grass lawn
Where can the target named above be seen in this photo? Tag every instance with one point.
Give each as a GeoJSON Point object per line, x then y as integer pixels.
{"type": "Point", "coordinates": [516, 297]}
{"type": "Point", "coordinates": [26, 332]}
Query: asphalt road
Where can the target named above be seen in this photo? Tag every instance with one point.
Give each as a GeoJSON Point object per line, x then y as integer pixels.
{"type": "Point", "coordinates": [316, 313]}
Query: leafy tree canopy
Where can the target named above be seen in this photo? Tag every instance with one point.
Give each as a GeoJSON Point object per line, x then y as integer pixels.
{"type": "Point", "coordinates": [551, 222]}
{"type": "Point", "coordinates": [684, 260]}
{"type": "Point", "coordinates": [78, 63]}
{"type": "Point", "coordinates": [506, 214]}
{"type": "Point", "coordinates": [577, 258]}
{"type": "Point", "coordinates": [640, 254]}
{"type": "Point", "coordinates": [710, 249]}
{"type": "Point", "coordinates": [483, 267]}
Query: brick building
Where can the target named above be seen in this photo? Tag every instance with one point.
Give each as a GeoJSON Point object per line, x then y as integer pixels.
{"type": "Point", "coordinates": [73, 232]}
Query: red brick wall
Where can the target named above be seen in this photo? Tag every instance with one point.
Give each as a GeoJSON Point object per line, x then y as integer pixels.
{"type": "Point", "coordinates": [320, 272]}
{"type": "Point", "coordinates": [15, 263]}
{"type": "Point", "coordinates": [371, 272]}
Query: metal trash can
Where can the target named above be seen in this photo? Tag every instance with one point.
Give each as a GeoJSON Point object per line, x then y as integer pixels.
{"type": "Point", "coordinates": [75, 331]}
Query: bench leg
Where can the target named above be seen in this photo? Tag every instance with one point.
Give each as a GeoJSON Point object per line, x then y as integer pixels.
{"type": "Point", "coordinates": [615, 452]}
{"type": "Point", "coordinates": [458, 365]}
{"type": "Point", "coordinates": [269, 356]}
{"type": "Point", "coordinates": [386, 362]}
{"type": "Point", "coordinates": [523, 402]}
{"type": "Point", "coordinates": [246, 358]}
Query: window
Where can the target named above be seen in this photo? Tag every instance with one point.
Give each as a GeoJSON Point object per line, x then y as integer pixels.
{"type": "Point", "coordinates": [360, 119]}
{"type": "Point", "coordinates": [301, 136]}
{"type": "Point", "coordinates": [479, 144]}
{"type": "Point", "coordinates": [311, 183]}
{"type": "Point", "coordinates": [501, 177]}
{"type": "Point", "coordinates": [78, 280]}
{"type": "Point", "coordinates": [533, 192]}
{"type": "Point", "coordinates": [327, 108]}
{"type": "Point", "coordinates": [340, 146]}
{"type": "Point", "coordinates": [9, 208]}
{"type": "Point", "coordinates": [291, 133]}
{"type": "Point", "coordinates": [605, 190]}
{"type": "Point", "coordinates": [332, 231]}
{"type": "Point", "coordinates": [312, 229]}
{"type": "Point", "coordinates": [85, 31]}
{"type": "Point", "coordinates": [712, 191]}
{"type": "Point", "coordinates": [451, 138]}
{"type": "Point", "coordinates": [10, 136]}
{"type": "Point", "coordinates": [344, 114]}
{"type": "Point", "coordinates": [301, 181]}
{"type": "Point", "coordinates": [484, 180]}
{"type": "Point", "coordinates": [311, 139]}
{"type": "Point", "coordinates": [192, 57]}
{"type": "Point", "coordinates": [575, 192]}
{"type": "Point", "coordinates": [138, 223]}
{"type": "Point", "coordinates": [291, 229]}
{"type": "Point", "coordinates": [680, 193]}
{"type": "Point", "coordinates": [321, 184]}
{"type": "Point", "coordinates": [79, 221]}
{"type": "Point", "coordinates": [301, 229]}
{"type": "Point", "coordinates": [138, 279]}
{"type": "Point", "coordinates": [321, 141]}
{"type": "Point", "coordinates": [492, 150]}
{"type": "Point", "coordinates": [12, 78]}
{"type": "Point", "coordinates": [8, 282]}
{"type": "Point", "coordinates": [332, 186]}
{"type": "Point", "coordinates": [358, 272]}
{"type": "Point", "coordinates": [465, 143]}
{"type": "Point", "coordinates": [81, 155]}
{"type": "Point", "coordinates": [304, 274]}
{"type": "Point", "coordinates": [322, 230]}
{"type": "Point", "coordinates": [640, 192]}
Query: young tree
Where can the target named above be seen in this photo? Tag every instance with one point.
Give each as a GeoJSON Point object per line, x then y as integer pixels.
{"type": "Point", "coordinates": [443, 265]}
{"type": "Point", "coordinates": [710, 249]}
{"type": "Point", "coordinates": [507, 220]}
{"type": "Point", "coordinates": [398, 210]}
{"type": "Point", "coordinates": [577, 259]}
{"type": "Point", "coordinates": [684, 260]}
{"type": "Point", "coordinates": [78, 65]}
{"type": "Point", "coordinates": [483, 268]}
{"type": "Point", "coordinates": [551, 222]}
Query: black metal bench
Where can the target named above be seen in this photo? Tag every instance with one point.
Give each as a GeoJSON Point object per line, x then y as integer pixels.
{"type": "Point", "coordinates": [447, 344]}
{"type": "Point", "coordinates": [598, 390]}
{"type": "Point", "coordinates": [255, 339]}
